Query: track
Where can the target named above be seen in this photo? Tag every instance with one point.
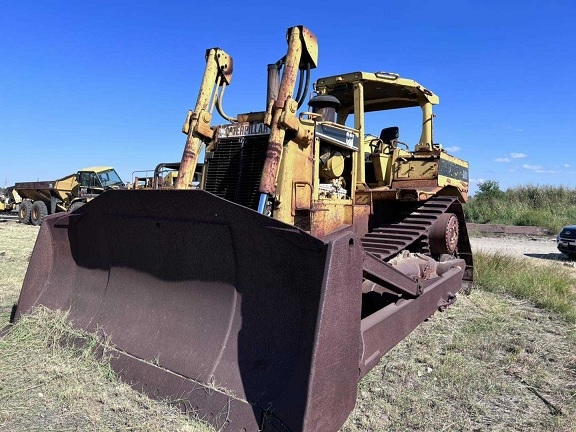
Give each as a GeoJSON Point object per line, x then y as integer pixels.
{"type": "Point", "coordinates": [408, 225]}
{"type": "Point", "coordinates": [398, 296]}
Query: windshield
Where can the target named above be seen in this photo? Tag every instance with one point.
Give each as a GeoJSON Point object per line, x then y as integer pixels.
{"type": "Point", "coordinates": [110, 178]}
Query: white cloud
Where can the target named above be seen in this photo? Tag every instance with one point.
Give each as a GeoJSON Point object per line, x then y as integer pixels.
{"type": "Point", "coordinates": [531, 167]}
{"type": "Point", "coordinates": [541, 171]}
{"type": "Point", "coordinates": [501, 160]}
{"type": "Point", "coordinates": [566, 166]}
{"type": "Point", "coordinates": [453, 149]}
{"type": "Point", "coordinates": [513, 128]}
{"type": "Point", "coordinates": [518, 155]}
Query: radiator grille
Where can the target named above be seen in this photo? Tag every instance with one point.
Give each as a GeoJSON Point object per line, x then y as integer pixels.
{"type": "Point", "coordinates": [235, 167]}
{"type": "Point", "coordinates": [568, 232]}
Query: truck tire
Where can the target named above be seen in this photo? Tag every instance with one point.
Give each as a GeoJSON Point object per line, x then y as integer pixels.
{"type": "Point", "coordinates": [24, 210]}
{"type": "Point", "coordinates": [39, 210]}
{"type": "Point", "coordinates": [75, 206]}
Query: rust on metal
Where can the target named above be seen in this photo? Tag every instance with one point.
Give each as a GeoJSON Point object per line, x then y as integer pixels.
{"type": "Point", "coordinates": [274, 296]}
{"type": "Point", "coordinates": [276, 140]}
{"type": "Point", "coordinates": [404, 225]}
{"type": "Point", "coordinates": [387, 326]}
{"type": "Point", "coordinates": [211, 332]}
{"type": "Point", "coordinates": [390, 277]}
{"type": "Point", "coordinates": [443, 235]}
{"type": "Point", "coordinates": [218, 73]}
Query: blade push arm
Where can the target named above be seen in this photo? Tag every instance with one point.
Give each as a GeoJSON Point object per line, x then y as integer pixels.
{"type": "Point", "coordinates": [217, 75]}
{"type": "Point", "coordinates": [281, 114]}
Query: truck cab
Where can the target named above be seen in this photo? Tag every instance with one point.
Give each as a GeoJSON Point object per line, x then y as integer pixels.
{"type": "Point", "coordinates": [95, 180]}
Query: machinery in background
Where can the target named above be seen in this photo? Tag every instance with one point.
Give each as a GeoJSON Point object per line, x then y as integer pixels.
{"type": "Point", "coordinates": [43, 198]}
{"type": "Point", "coordinates": [162, 177]}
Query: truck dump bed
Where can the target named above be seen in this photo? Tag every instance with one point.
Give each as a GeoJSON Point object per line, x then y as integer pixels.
{"type": "Point", "coordinates": [44, 190]}
{"type": "Point", "coordinates": [40, 190]}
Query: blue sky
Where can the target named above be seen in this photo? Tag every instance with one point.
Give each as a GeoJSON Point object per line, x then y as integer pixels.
{"type": "Point", "coordinates": [110, 82]}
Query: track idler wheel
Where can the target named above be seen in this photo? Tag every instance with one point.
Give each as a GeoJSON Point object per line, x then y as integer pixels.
{"type": "Point", "coordinates": [444, 235]}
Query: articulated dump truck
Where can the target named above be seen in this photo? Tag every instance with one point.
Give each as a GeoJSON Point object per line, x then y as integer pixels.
{"type": "Point", "coordinates": [311, 248]}
{"type": "Point", "coordinates": [43, 198]}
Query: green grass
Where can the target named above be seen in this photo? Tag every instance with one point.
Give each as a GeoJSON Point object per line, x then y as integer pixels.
{"type": "Point", "coordinates": [547, 287]}
{"type": "Point", "coordinates": [546, 206]}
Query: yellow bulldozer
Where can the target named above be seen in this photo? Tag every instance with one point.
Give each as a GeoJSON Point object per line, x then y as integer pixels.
{"type": "Point", "coordinates": [312, 247]}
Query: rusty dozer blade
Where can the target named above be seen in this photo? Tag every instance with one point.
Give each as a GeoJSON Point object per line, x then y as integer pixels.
{"type": "Point", "coordinates": [250, 323]}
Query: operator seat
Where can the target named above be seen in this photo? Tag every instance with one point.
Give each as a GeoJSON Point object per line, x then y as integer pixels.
{"type": "Point", "coordinates": [377, 167]}
{"type": "Point", "coordinates": [390, 135]}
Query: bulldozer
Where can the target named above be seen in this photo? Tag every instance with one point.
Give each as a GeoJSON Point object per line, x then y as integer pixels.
{"type": "Point", "coordinates": [311, 247]}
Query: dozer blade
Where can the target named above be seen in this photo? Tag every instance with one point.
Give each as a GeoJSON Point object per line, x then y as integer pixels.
{"type": "Point", "coordinates": [250, 323]}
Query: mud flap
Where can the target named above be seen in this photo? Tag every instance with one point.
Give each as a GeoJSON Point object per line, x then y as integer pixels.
{"type": "Point", "coordinates": [246, 321]}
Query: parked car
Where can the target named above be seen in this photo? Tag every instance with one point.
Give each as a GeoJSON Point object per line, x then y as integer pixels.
{"type": "Point", "coordinates": [567, 241]}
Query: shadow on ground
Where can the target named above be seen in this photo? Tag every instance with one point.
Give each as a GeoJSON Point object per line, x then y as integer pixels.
{"type": "Point", "coordinates": [551, 257]}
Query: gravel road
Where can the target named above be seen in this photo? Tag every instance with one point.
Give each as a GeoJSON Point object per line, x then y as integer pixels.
{"type": "Point", "coordinates": [539, 249]}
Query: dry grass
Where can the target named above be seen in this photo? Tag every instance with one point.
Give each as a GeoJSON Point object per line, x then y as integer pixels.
{"type": "Point", "coordinates": [46, 384]}
{"type": "Point", "coordinates": [492, 362]}
{"type": "Point", "coordinates": [480, 366]}
{"type": "Point", "coordinates": [16, 243]}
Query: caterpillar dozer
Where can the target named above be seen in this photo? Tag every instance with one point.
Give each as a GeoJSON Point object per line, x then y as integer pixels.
{"type": "Point", "coordinates": [311, 248]}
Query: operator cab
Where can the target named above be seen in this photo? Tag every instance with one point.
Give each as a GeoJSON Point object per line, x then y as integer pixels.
{"type": "Point", "coordinates": [359, 93]}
